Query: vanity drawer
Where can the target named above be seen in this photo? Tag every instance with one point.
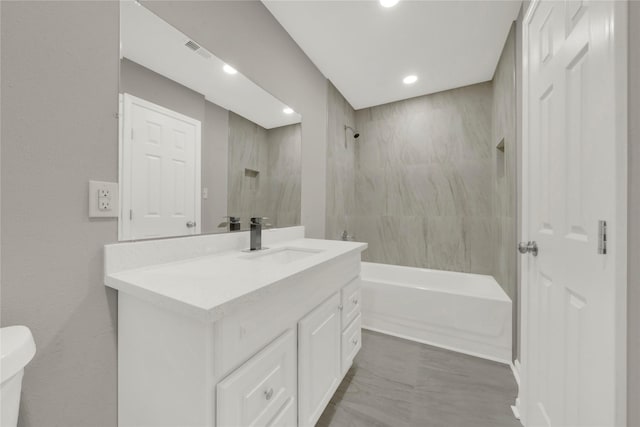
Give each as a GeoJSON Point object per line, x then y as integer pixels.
{"type": "Point", "coordinates": [351, 302]}
{"type": "Point", "coordinates": [351, 343]}
{"type": "Point", "coordinates": [263, 391]}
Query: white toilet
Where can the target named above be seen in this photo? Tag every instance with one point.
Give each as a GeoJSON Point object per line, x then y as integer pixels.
{"type": "Point", "coordinates": [17, 348]}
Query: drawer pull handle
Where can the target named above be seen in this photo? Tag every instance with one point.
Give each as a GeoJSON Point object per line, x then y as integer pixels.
{"type": "Point", "coordinates": [355, 341]}
{"type": "Point", "coordinates": [268, 394]}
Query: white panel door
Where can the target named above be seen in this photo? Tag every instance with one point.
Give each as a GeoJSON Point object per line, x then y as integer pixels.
{"type": "Point", "coordinates": [319, 337]}
{"type": "Point", "coordinates": [161, 171]}
{"type": "Point", "coordinates": [569, 159]}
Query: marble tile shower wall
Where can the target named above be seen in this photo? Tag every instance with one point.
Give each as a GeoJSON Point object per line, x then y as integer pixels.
{"type": "Point", "coordinates": [284, 168]}
{"type": "Point", "coordinates": [248, 160]}
{"type": "Point", "coordinates": [423, 191]}
{"type": "Point", "coordinates": [340, 166]}
{"type": "Point", "coordinates": [264, 172]}
{"type": "Point", "coordinates": [504, 175]}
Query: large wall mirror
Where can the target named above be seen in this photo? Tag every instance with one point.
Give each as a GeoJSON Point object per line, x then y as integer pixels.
{"type": "Point", "coordinates": [199, 142]}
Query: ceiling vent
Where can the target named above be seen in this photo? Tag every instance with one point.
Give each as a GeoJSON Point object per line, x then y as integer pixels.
{"type": "Point", "coordinates": [198, 49]}
{"type": "Point", "coordinates": [192, 45]}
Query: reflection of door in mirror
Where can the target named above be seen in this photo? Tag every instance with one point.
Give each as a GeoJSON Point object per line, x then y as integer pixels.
{"type": "Point", "coordinates": [160, 173]}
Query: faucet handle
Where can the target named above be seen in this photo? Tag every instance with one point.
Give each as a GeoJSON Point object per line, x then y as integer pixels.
{"type": "Point", "coordinates": [347, 237]}
{"type": "Point", "coordinates": [231, 220]}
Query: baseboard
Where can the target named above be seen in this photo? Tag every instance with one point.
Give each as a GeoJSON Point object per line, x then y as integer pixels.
{"type": "Point", "coordinates": [434, 344]}
{"type": "Point", "coordinates": [515, 369]}
{"type": "Point", "coordinates": [516, 411]}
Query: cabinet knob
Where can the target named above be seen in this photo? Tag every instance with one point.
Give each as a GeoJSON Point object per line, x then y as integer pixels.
{"type": "Point", "coordinates": [355, 301]}
{"type": "Point", "coordinates": [340, 307]}
{"type": "Point", "coordinates": [268, 394]}
{"type": "Point", "coordinates": [355, 341]}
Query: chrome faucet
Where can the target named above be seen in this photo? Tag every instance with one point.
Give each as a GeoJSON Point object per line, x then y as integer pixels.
{"type": "Point", "coordinates": [233, 223]}
{"type": "Point", "coordinates": [256, 224]}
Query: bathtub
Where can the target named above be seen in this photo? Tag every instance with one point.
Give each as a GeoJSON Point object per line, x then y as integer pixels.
{"type": "Point", "coordinates": [467, 313]}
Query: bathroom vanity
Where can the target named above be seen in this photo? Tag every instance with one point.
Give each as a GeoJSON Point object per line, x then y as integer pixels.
{"type": "Point", "coordinates": [210, 335]}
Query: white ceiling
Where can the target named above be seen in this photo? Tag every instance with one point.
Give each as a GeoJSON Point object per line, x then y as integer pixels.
{"type": "Point", "coordinates": [366, 50]}
{"type": "Point", "coordinates": [151, 42]}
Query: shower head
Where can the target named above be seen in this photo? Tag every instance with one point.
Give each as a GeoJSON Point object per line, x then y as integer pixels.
{"type": "Point", "coordinates": [356, 134]}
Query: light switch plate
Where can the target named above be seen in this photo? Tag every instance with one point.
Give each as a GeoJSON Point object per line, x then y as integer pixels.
{"type": "Point", "coordinates": [103, 199]}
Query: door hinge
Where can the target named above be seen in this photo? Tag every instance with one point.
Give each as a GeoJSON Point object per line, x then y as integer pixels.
{"type": "Point", "coordinates": [132, 133]}
{"type": "Point", "coordinates": [602, 237]}
{"type": "Point", "coordinates": [130, 214]}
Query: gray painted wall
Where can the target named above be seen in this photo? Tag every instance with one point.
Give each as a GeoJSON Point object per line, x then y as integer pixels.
{"type": "Point", "coordinates": [423, 181]}
{"type": "Point", "coordinates": [245, 34]}
{"type": "Point", "coordinates": [153, 87]}
{"type": "Point", "coordinates": [633, 290]}
{"type": "Point", "coordinates": [215, 151]}
{"type": "Point", "coordinates": [340, 165]}
{"type": "Point", "coordinates": [504, 175]}
{"type": "Point", "coordinates": [59, 130]}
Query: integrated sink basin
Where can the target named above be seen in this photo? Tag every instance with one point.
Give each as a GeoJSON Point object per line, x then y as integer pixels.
{"type": "Point", "coordinates": [281, 255]}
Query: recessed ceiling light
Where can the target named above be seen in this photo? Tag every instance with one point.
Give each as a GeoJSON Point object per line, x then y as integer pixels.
{"type": "Point", "coordinates": [410, 79]}
{"type": "Point", "coordinates": [229, 69]}
{"type": "Point", "coordinates": [388, 3]}
{"type": "Point", "coordinates": [287, 110]}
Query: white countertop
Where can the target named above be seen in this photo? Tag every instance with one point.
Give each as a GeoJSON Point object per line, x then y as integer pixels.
{"type": "Point", "coordinates": [209, 286]}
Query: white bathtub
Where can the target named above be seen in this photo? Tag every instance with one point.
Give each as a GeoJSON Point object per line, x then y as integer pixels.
{"type": "Point", "coordinates": [468, 313]}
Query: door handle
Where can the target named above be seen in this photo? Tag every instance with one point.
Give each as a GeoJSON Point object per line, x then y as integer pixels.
{"type": "Point", "coordinates": [191, 224]}
{"type": "Point", "coordinates": [529, 247]}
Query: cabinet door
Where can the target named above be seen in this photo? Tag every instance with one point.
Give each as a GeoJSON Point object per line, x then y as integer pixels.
{"type": "Point", "coordinates": [262, 392]}
{"type": "Point", "coordinates": [318, 360]}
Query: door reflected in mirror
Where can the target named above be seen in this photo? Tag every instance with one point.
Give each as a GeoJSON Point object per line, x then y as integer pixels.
{"type": "Point", "coordinates": [199, 141]}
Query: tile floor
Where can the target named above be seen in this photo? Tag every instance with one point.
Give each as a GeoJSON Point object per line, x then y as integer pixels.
{"type": "Point", "coordinates": [398, 383]}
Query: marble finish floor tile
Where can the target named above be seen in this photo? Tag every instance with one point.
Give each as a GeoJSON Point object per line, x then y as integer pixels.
{"type": "Point", "coordinates": [400, 383]}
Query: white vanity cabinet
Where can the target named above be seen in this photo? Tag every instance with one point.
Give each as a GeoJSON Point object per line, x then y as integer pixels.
{"type": "Point", "coordinates": [272, 357]}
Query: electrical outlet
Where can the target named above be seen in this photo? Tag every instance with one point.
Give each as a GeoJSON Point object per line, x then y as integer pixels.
{"type": "Point", "coordinates": [103, 199]}
{"type": "Point", "coordinates": [104, 204]}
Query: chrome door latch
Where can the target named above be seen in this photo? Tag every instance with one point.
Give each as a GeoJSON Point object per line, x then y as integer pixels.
{"type": "Point", "coordinates": [602, 237]}
{"type": "Point", "coordinates": [529, 247]}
